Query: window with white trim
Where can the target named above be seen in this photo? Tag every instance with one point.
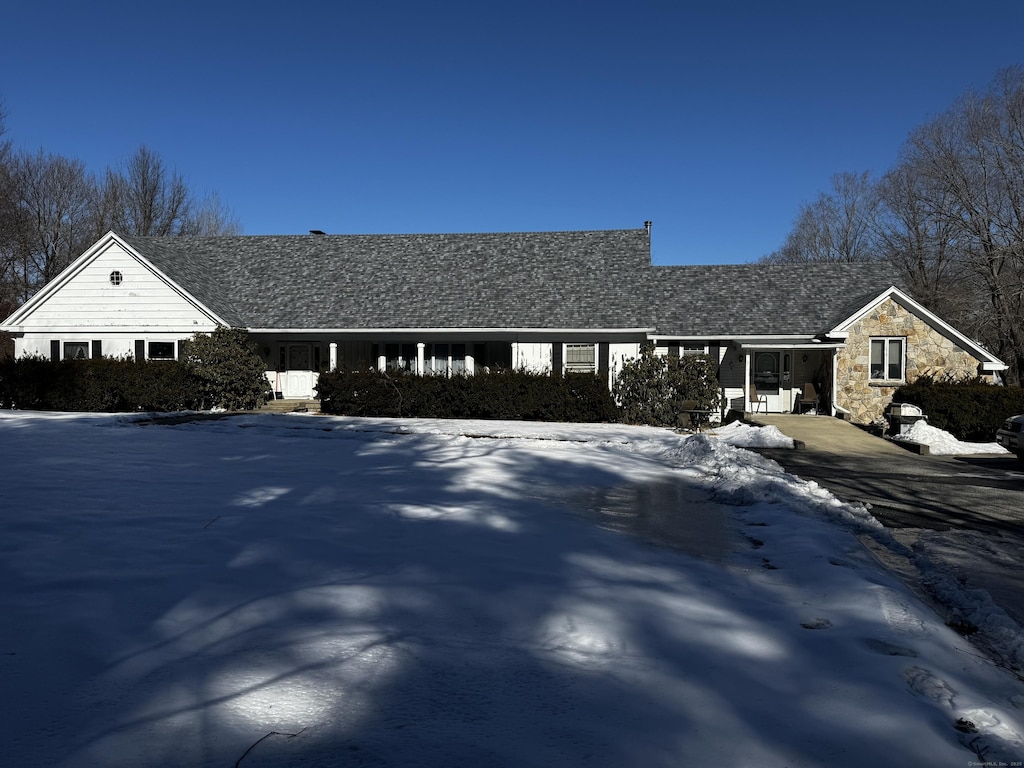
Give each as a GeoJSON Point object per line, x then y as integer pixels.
{"type": "Point", "coordinates": [686, 350]}
{"type": "Point", "coordinates": [888, 354]}
{"type": "Point", "coordinates": [580, 358]}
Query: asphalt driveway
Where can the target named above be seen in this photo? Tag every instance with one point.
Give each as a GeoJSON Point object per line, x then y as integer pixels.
{"type": "Point", "coordinates": [968, 512]}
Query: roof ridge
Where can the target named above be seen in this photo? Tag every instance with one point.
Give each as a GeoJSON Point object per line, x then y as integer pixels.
{"type": "Point", "coordinates": [637, 230]}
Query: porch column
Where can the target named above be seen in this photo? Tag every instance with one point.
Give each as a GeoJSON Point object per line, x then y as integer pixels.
{"type": "Point", "coordinates": [746, 381]}
{"type": "Point", "coordinates": [832, 355]}
{"type": "Point", "coordinates": [333, 357]}
{"type": "Point", "coordinates": [382, 358]}
{"type": "Point", "coordinates": [420, 358]}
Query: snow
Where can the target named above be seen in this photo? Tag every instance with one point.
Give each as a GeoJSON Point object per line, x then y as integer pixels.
{"type": "Point", "coordinates": [942, 443]}
{"type": "Point", "coordinates": [748, 436]}
{"type": "Point", "coordinates": [302, 590]}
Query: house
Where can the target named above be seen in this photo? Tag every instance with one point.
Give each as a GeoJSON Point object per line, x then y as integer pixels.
{"type": "Point", "coordinates": [449, 303]}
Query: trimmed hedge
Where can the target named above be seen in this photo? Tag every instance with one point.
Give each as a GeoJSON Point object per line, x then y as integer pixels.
{"type": "Point", "coordinates": [970, 410]}
{"type": "Point", "coordinates": [101, 385]}
{"type": "Point", "coordinates": [496, 394]}
{"type": "Point", "coordinates": [222, 369]}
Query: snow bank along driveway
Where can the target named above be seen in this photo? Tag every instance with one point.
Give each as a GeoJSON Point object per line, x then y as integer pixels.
{"type": "Point", "coordinates": [308, 591]}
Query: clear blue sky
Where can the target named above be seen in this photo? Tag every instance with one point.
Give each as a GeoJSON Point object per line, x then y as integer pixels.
{"type": "Point", "coordinates": [401, 116]}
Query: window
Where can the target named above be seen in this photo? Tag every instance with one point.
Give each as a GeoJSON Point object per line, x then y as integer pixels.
{"type": "Point", "coordinates": [76, 350]}
{"type": "Point", "coordinates": [887, 359]}
{"type": "Point", "coordinates": [579, 358]}
{"type": "Point", "coordinates": [116, 277]}
{"type": "Point", "coordinates": [692, 349]}
{"type": "Point", "coordinates": [161, 350]}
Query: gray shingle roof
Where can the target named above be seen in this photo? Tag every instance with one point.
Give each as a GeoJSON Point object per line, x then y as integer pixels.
{"type": "Point", "coordinates": [515, 280]}
{"type": "Point", "coordinates": [762, 299]}
{"type": "Point", "coordinates": [584, 280]}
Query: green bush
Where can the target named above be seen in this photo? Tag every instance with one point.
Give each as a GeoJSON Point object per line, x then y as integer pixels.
{"type": "Point", "coordinates": [222, 369]}
{"type": "Point", "coordinates": [99, 385]}
{"type": "Point", "coordinates": [496, 394]}
{"type": "Point", "coordinates": [226, 369]}
{"type": "Point", "coordinates": [652, 389]}
{"type": "Point", "coordinates": [969, 409]}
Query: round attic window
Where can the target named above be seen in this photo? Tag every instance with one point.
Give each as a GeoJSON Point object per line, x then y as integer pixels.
{"type": "Point", "coordinates": [116, 277]}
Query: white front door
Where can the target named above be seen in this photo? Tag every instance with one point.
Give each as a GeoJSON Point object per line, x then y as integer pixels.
{"type": "Point", "coordinates": [298, 378]}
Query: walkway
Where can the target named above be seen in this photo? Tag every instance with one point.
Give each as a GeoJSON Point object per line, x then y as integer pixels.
{"type": "Point", "coordinates": [828, 434]}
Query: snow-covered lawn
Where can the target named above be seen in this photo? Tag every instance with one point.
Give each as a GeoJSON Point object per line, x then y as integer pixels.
{"type": "Point", "coordinates": [310, 591]}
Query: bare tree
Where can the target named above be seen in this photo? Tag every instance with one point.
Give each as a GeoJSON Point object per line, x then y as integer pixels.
{"type": "Point", "coordinates": [839, 226]}
{"type": "Point", "coordinates": [971, 162]}
{"type": "Point", "coordinates": [55, 203]}
{"type": "Point", "coordinates": [914, 233]}
{"type": "Point", "coordinates": [9, 228]}
{"type": "Point", "coordinates": [211, 217]}
{"type": "Point", "coordinates": [145, 198]}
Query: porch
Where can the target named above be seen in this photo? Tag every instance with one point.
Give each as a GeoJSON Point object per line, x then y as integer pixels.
{"type": "Point", "coordinates": [772, 377]}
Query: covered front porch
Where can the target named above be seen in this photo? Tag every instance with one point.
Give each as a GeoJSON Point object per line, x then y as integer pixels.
{"type": "Point", "coordinates": [293, 365]}
{"type": "Point", "coordinates": [294, 359]}
{"type": "Point", "coordinates": [784, 376]}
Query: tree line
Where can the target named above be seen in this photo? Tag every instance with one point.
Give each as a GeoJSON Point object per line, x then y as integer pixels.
{"type": "Point", "coordinates": [949, 215]}
{"type": "Point", "coordinates": [52, 208]}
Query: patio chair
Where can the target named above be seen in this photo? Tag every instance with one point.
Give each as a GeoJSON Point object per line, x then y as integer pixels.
{"type": "Point", "coordinates": [756, 399]}
{"type": "Point", "coordinates": [809, 399]}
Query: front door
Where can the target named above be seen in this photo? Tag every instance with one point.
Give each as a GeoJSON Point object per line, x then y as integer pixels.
{"type": "Point", "coordinates": [767, 379]}
{"type": "Point", "coordinates": [298, 377]}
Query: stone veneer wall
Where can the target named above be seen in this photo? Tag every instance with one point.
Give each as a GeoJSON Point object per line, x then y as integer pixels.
{"type": "Point", "coordinates": [927, 350]}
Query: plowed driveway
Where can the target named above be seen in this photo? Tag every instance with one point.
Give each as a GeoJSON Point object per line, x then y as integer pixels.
{"type": "Point", "coordinates": [968, 511]}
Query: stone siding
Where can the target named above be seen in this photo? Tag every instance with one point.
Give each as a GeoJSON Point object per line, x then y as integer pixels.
{"type": "Point", "coordinates": [927, 351]}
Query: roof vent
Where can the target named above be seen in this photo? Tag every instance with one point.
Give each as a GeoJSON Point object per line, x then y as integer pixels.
{"type": "Point", "coordinates": [647, 226]}
{"type": "Point", "coordinates": [317, 232]}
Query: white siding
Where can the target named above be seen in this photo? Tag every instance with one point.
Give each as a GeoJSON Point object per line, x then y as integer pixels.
{"type": "Point", "coordinates": [141, 302]}
{"type": "Point", "coordinates": [618, 355]}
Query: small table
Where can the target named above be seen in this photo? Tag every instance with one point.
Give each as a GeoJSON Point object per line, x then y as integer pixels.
{"type": "Point", "coordinates": [698, 418]}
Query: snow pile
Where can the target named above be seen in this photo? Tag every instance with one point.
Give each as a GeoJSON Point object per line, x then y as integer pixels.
{"type": "Point", "coordinates": [281, 590]}
{"type": "Point", "coordinates": [748, 436]}
{"type": "Point", "coordinates": [942, 443]}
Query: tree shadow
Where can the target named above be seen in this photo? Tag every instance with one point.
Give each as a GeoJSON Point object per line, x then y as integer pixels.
{"type": "Point", "coordinates": [432, 600]}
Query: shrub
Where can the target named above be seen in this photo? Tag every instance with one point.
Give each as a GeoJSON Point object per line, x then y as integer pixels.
{"type": "Point", "coordinates": [969, 409]}
{"type": "Point", "coordinates": [652, 389]}
{"type": "Point", "coordinates": [101, 385]}
{"type": "Point", "coordinates": [226, 369]}
{"type": "Point", "coordinates": [496, 394]}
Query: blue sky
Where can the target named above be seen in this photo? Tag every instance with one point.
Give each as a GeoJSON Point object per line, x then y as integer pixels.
{"type": "Point", "coordinates": [397, 116]}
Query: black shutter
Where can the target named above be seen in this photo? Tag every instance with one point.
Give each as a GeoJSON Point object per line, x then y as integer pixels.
{"type": "Point", "coordinates": [140, 350]}
{"type": "Point", "coordinates": [603, 358]}
{"type": "Point", "coordinates": [316, 357]}
{"type": "Point", "coordinates": [54, 349]}
{"type": "Point", "coordinates": [181, 348]}
{"type": "Point", "coordinates": [97, 348]}
{"type": "Point", "coordinates": [556, 358]}
{"type": "Point", "coordinates": [673, 349]}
